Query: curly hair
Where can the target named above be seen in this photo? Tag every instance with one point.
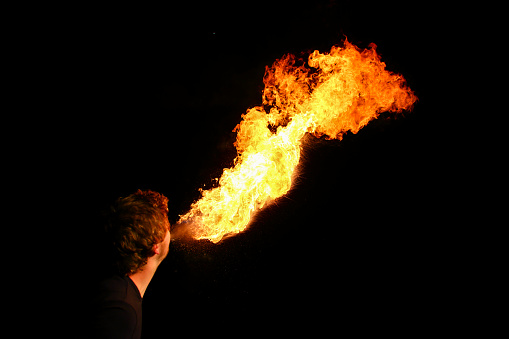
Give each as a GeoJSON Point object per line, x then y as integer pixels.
{"type": "Point", "coordinates": [134, 225]}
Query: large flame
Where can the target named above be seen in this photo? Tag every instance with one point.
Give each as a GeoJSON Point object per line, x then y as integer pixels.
{"type": "Point", "coordinates": [340, 91]}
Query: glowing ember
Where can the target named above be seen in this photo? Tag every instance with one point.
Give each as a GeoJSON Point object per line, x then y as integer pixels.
{"type": "Point", "coordinates": [340, 91]}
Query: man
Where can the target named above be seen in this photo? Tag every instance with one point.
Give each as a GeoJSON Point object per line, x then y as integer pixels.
{"type": "Point", "coordinates": [138, 237]}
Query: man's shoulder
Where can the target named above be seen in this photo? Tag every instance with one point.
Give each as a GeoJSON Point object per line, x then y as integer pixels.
{"type": "Point", "coordinates": [110, 312]}
{"type": "Point", "coordinates": [112, 288]}
{"type": "Point", "coordinates": [114, 314]}
{"type": "Point", "coordinates": [114, 319]}
{"type": "Point", "coordinates": [113, 281]}
{"type": "Point", "coordinates": [118, 289]}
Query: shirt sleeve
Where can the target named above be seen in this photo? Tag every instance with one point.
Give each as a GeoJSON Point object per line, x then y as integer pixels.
{"type": "Point", "coordinates": [115, 321]}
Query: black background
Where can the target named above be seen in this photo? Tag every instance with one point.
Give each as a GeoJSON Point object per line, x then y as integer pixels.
{"type": "Point", "coordinates": [152, 95]}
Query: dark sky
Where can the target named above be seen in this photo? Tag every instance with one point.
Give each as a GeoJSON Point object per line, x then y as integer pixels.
{"type": "Point", "coordinates": [153, 94]}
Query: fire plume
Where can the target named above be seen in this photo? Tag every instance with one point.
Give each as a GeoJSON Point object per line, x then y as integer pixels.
{"type": "Point", "coordinates": [336, 92]}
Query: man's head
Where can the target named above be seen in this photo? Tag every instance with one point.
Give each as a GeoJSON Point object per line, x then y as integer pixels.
{"type": "Point", "coordinates": [138, 229]}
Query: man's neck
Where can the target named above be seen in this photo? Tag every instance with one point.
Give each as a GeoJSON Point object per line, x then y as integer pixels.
{"type": "Point", "coordinates": [143, 277]}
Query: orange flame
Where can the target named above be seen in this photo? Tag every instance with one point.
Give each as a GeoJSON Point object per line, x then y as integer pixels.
{"type": "Point", "coordinates": [340, 91]}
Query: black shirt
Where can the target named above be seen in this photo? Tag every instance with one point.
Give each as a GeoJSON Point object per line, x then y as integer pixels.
{"type": "Point", "coordinates": [116, 309]}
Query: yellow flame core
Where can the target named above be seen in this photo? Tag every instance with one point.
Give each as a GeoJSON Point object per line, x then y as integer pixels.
{"type": "Point", "coordinates": [340, 91]}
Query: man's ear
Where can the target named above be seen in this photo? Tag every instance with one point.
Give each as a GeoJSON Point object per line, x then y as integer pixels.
{"type": "Point", "coordinates": [156, 249]}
